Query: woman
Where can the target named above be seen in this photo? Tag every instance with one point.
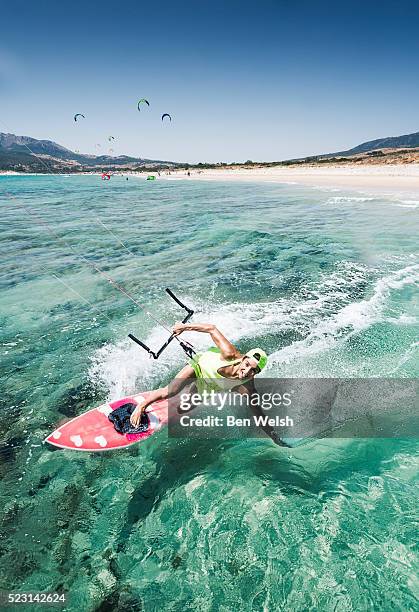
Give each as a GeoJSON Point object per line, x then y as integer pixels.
{"type": "Point", "coordinates": [221, 368]}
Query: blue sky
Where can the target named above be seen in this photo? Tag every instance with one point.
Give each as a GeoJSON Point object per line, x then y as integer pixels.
{"type": "Point", "coordinates": [264, 80]}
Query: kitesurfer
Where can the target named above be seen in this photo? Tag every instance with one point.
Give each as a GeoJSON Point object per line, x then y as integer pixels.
{"type": "Point", "coordinates": [142, 101]}
{"type": "Point", "coordinates": [221, 368]}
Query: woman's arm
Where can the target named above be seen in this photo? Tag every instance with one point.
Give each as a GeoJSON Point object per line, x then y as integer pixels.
{"type": "Point", "coordinates": [228, 350]}
{"type": "Point", "coordinates": [249, 389]}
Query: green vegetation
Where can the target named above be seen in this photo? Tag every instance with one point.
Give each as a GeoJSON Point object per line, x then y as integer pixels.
{"type": "Point", "coordinates": [22, 154]}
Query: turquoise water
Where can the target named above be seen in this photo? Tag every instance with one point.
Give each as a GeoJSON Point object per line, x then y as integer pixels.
{"type": "Point", "coordinates": [325, 280]}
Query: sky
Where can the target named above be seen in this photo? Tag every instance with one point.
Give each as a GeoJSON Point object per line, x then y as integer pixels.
{"type": "Point", "coordinates": [266, 80]}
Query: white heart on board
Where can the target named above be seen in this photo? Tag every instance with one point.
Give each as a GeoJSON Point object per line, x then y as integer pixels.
{"type": "Point", "coordinates": [77, 441]}
{"type": "Point", "coordinates": [105, 409]}
{"type": "Point", "coordinates": [102, 441]}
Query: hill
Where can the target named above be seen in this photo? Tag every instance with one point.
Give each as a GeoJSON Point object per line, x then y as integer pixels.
{"type": "Point", "coordinates": [391, 149]}
{"type": "Point", "coordinates": [26, 154]}
{"type": "Point", "coordinates": [407, 141]}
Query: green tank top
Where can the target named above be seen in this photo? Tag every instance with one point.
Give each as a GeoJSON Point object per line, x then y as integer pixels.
{"type": "Point", "coordinates": [206, 366]}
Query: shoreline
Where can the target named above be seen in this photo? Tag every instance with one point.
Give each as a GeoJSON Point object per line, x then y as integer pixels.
{"type": "Point", "coordinates": [385, 178]}
{"type": "Point", "coordinates": [380, 178]}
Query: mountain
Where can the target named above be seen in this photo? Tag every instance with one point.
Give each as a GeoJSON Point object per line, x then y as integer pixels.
{"type": "Point", "coordinates": [392, 149]}
{"type": "Point", "coordinates": [27, 145]}
{"type": "Point", "coordinates": [26, 154]}
{"type": "Point", "coordinates": [407, 141]}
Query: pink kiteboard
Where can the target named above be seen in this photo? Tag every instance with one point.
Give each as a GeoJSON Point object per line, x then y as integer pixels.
{"type": "Point", "coordinates": [92, 430]}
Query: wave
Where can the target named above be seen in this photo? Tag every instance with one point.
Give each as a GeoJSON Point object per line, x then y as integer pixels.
{"type": "Point", "coordinates": [324, 315]}
{"type": "Point", "coordinates": [346, 199]}
{"type": "Point", "coordinates": [351, 319]}
{"type": "Point", "coordinates": [408, 204]}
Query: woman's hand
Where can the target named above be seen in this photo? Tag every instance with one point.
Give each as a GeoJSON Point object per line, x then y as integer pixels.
{"type": "Point", "coordinates": [135, 418]}
{"type": "Point", "coordinates": [178, 328]}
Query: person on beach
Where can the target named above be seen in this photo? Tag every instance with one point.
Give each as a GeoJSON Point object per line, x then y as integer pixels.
{"type": "Point", "coordinates": [220, 368]}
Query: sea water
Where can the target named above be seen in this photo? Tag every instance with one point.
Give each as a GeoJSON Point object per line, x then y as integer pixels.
{"type": "Point", "coordinates": [324, 280]}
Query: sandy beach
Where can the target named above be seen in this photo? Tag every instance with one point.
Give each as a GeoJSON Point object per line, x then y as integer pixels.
{"type": "Point", "coordinates": [380, 178]}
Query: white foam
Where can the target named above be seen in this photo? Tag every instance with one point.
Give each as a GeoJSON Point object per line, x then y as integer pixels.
{"type": "Point", "coordinates": [348, 199]}
{"type": "Point", "coordinates": [323, 314]}
{"type": "Point", "coordinates": [351, 319]}
{"type": "Point", "coordinates": [413, 204]}
{"type": "Point", "coordinates": [411, 354]}
{"type": "Point", "coordinates": [124, 368]}
{"type": "Point", "coordinates": [410, 202]}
